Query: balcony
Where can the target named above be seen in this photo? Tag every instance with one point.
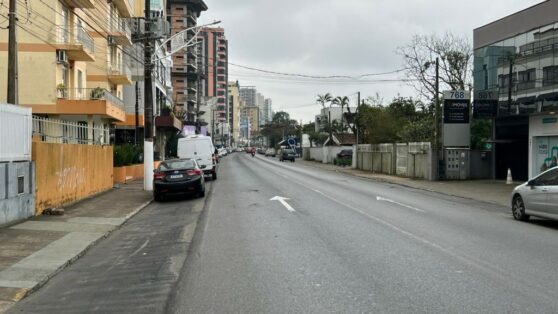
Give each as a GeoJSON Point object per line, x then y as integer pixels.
{"type": "Point", "coordinates": [125, 7]}
{"type": "Point", "coordinates": [120, 33]}
{"type": "Point", "coordinates": [120, 75]}
{"type": "Point", "coordinates": [86, 101]}
{"type": "Point", "coordinates": [80, 4]}
{"type": "Point", "coordinates": [77, 43]}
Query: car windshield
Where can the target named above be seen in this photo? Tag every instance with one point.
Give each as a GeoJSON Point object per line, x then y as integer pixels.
{"type": "Point", "coordinates": [288, 151]}
{"type": "Point", "coordinates": [177, 164]}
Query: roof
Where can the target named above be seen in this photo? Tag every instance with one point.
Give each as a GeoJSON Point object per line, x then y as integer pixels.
{"type": "Point", "coordinates": [345, 139]}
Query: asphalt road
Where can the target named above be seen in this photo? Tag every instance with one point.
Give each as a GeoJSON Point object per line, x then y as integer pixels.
{"type": "Point", "coordinates": [339, 244]}
{"type": "Point", "coordinates": [356, 246]}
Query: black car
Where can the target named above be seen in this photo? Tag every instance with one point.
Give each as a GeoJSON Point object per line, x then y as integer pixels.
{"type": "Point", "coordinates": [344, 158]}
{"type": "Point", "coordinates": [178, 176]}
{"type": "Point", "coordinates": [287, 154]}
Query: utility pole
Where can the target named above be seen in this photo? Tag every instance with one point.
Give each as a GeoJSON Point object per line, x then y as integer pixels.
{"type": "Point", "coordinates": [12, 55]}
{"type": "Point", "coordinates": [354, 121]}
{"type": "Point", "coordinates": [437, 116]}
{"type": "Point", "coordinates": [136, 137]}
{"type": "Point", "coordinates": [148, 103]}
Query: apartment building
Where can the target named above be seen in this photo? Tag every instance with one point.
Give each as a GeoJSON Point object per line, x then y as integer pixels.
{"type": "Point", "coordinates": [186, 68]}
{"type": "Point", "coordinates": [235, 106]}
{"type": "Point", "coordinates": [72, 64]}
{"type": "Point", "coordinates": [214, 47]}
{"type": "Point", "coordinates": [248, 94]}
{"type": "Point", "coordinates": [253, 115]}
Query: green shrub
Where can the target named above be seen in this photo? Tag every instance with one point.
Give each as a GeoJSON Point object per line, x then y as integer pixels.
{"type": "Point", "coordinates": [125, 155]}
{"type": "Point", "coordinates": [343, 162]}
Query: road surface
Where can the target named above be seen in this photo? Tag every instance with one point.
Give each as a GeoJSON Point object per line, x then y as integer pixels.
{"type": "Point", "coordinates": [283, 238]}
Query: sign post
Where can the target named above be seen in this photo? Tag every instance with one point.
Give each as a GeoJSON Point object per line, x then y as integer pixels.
{"type": "Point", "coordinates": [457, 107]}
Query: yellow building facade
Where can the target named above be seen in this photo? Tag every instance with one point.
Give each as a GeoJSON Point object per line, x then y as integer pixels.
{"type": "Point", "coordinates": [71, 58]}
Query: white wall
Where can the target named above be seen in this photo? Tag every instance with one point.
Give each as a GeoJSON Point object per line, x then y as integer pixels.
{"type": "Point", "coordinates": [15, 133]}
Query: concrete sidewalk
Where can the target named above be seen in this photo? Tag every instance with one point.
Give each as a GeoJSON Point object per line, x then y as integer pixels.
{"type": "Point", "coordinates": [489, 191]}
{"type": "Point", "coordinates": [33, 251]}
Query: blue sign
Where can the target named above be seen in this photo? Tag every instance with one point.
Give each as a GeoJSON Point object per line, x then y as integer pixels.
{"type": "Point", "coordinates": [291, 141]}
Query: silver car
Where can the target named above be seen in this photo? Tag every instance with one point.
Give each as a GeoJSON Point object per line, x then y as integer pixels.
{"type": "Point", "coordinates": [537, 197]}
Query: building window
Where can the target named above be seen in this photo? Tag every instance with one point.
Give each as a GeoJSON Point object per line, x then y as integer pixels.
{"type": "Point", "coordinates": [550, 75]}
{"type": "Point", "coordinates": [79, 80]}
{"type": "Point", "coordinates": [526, 79]}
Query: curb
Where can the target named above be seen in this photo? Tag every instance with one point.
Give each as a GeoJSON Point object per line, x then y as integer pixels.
{"type": "Point", "coordinates": [24, 292]}
{"type": "Point", "coordinates": [384, 180]}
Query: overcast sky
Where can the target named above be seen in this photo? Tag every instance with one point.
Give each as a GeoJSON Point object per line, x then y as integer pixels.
{"type": "Point", "coordinates": [336, 37]}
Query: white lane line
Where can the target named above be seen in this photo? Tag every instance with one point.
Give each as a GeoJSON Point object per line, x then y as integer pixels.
{"type": "Point", "coordinates": [283, 201]}
{"type": "Point", "coordinates": [383, 199]}
{"type": "Point", "coordinates": [385, 223]}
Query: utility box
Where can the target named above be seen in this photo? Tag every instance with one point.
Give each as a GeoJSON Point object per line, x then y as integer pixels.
{"type": "Point", "coordinates": [457, 162]}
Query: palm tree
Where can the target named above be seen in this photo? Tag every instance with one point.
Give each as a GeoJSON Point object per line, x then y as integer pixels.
{"type": "Point", "coordinates": [342, 101]}
{"type": "Point", "coordinates": [323, 99]}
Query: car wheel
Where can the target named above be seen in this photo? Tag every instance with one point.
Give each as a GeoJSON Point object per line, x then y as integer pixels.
{"type": "Point", "coordinates": [214, 175]}
{"type": "Point", "coordinates": [518, 209]}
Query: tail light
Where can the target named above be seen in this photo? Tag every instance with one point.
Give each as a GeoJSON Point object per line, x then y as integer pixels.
{"type": "Point", "coordinates": [158, 176]}
{"type": "Point", "coordinates": [214, 158]}
{"type": "Point", "coordinates": [194, 172]}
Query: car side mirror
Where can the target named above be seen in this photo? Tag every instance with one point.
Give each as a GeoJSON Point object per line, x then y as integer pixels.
{"type": "Point", "coordinates": [203, 166]}
{"type": "Point", "coordinates": [531, 183]}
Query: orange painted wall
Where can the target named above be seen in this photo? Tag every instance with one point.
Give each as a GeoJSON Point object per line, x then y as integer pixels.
{"type": "Point", "coordinates": [66, 173]}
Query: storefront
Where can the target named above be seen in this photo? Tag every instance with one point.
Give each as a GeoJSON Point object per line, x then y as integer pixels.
{"type": "Point", "coordinates": [543, 143]}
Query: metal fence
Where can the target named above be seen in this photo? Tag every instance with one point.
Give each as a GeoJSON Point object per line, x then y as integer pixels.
{"type": "Point", "coordinates": [69, 132]}
{"type": "Point", "coordinates": [15, 133]}
{"type": "Point", "coordinates": [96, 93]}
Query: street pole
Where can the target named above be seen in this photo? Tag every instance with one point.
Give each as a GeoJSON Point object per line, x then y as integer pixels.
{"type": "Point", "coordinates": [136, 137]}
{"type": "Point", "coordinates": [12, 55]}
{"type": "Point", "coordinates": [437, 116]}
{"type": "Point", "coordinates": [357, 111]}
{"type": "Point", "coordinates": [148, 104]}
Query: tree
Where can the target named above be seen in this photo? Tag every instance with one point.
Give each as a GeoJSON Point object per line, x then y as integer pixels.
{"type": "Point", "coordinates": [323, 99]}
{"type": "Point", "coordinates": [455, 54]}
{"type": "Point", "coordinates": [279, 128]}
{"type": "Point", "coordinates": [342, 101]}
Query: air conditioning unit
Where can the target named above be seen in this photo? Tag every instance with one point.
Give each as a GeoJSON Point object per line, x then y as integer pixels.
{"type": "Point", "coordinates": [61, 56]}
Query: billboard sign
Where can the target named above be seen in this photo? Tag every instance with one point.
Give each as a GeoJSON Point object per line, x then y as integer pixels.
{"type": "Point", "coordinates": [485, 104]}
{"type": "Point", "coordinates": [457, 108]}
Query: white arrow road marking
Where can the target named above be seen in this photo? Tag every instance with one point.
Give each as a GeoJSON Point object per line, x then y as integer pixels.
{"type": "Point", "coordinates": [379, 198]}
{"type": "Point", "coordinates": [283, 200]}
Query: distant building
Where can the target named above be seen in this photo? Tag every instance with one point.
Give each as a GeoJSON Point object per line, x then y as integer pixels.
{"type": "Point", "coordinates": [234, 105]}
{"type": "Point", "coordinates": [267, 111]}
{"type": "Point", "coordinates": [248, 94]}
{"type": "Point", "coordinates": [332, 114]}
{"type": "Point", "coordinates": [253, 114]}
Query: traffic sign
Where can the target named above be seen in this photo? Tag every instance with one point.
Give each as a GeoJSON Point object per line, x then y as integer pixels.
{"type": "Point", "coordinates": [291, 141]}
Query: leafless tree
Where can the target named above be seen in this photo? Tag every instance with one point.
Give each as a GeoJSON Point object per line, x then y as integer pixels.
{"type": "Point", "coordinates": [455, 58]}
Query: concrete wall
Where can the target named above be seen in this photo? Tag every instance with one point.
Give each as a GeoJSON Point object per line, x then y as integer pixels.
{"type": "Point", "coordinates": [66, 173]}
{"type": "Point", "coordinates": [324, 154]}
{"type": "Point", "coordinates": [16, 204]}
{"type": "Point", "coordinates": [396, 159]}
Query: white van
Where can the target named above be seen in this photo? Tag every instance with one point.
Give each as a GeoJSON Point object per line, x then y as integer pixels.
{"type": "Point", "coordinates": [200, 148]}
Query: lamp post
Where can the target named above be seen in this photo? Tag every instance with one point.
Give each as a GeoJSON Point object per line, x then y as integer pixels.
{"type": "Point", "coordinates": [150, 57]}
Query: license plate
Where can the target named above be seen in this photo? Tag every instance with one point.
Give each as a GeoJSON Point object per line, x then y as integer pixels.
{"type": "Point", "coordinates": [176, 176]}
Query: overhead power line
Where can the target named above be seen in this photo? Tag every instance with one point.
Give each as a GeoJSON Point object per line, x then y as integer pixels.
{"type": "Point", "coordinates": [355, 77]}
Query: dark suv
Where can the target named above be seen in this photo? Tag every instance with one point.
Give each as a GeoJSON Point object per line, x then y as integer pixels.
{"type": "Point", "coordinates": [287, 154]}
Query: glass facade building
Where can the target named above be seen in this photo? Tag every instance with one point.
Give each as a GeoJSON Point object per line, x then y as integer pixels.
{"type": "Point", "coordinates": [515, 77]}
{"type": "Point", "coordinates": [521, 72]}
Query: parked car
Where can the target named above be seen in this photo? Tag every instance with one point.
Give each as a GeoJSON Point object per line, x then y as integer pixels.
{"type": "Point", "coordinates": [201, 149]}
{"type": "Point", "coordinates": [178, 176]}
{"type": "Point", "coordinates": [270, 152]}
{"type": "Point", "coordinates": [344, 158]}
{"type": "Point", "coordinates": [287, 154]}
{"type": "Point", "coordinates": [261, 150]}
{"type": "Point", "coordinates": [537, 197]}
{"type": "Point", "coordinates": [222, 152]}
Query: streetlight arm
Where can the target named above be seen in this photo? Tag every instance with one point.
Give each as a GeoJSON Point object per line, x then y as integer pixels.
{"type": "Point", "coordinates": [188, 44]}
